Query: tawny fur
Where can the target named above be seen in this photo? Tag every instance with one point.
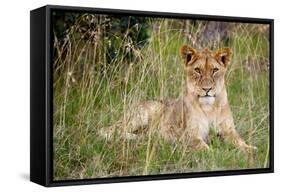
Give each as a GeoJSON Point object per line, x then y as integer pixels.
{"type": "Point", "coordinates": [190, 117]}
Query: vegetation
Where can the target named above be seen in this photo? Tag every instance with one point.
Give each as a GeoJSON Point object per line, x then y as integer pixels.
{"type": "Point", "coordinates": [94, 84]}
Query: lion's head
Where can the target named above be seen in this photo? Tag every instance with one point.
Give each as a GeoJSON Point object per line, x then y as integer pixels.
{"type": "Point", "coordinates": [205, 72]}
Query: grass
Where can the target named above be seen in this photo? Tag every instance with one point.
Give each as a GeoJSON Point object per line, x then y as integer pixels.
{"type": "Point", "coordinates": [87, 100]}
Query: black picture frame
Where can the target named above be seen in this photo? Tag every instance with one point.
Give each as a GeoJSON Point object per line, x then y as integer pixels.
{"type": "Point", "coordinates": [41, 148]}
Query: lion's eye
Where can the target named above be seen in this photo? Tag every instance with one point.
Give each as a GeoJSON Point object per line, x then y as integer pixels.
{"type": "Point", "coordinates": [215, 70]}
{"type": "Point", "coordinates": [197, 70]}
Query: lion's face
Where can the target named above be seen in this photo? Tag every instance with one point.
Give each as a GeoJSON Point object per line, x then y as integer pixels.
{"type": "Point", "coordinates": [205, 72]}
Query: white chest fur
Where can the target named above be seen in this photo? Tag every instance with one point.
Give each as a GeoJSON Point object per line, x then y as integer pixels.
{"type": "Point", "coordinates": [204, 128]}
{"type": "Point", "coordinates": [208, 120]}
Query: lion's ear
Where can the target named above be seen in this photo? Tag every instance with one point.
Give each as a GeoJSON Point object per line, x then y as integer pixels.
{"type": "Point", "coordinates": [187, 54]}
{"type": "Point", "coordinates": [223, 56]}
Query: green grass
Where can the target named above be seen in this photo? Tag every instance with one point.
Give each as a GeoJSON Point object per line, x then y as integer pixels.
{"type": "Point", "coordinates": [86, 101]}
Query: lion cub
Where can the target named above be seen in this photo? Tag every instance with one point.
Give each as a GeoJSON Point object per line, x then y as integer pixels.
{"type": "Point", "coordinates": [189, 118]}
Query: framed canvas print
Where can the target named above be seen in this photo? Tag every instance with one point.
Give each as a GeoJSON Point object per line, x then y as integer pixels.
{"type": "Point", "coordinates": [119, 95]}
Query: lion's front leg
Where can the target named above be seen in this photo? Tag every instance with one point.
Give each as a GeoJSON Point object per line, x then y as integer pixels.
{"type": "Point", "coordinates": [188, 137]}
{"type": "Point", "coordinates": [229, 134]}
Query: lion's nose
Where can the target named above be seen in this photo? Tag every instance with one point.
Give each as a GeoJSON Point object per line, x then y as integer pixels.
{"type": "Point", "coordinates": [207, 89]}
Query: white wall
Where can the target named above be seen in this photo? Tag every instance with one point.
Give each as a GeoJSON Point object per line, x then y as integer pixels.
{"type": "Point", "coordinates": [14, 95]}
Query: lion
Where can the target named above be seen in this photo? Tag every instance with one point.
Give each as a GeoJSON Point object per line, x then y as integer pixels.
{"type": "Point", "coordinates": [190, 117]}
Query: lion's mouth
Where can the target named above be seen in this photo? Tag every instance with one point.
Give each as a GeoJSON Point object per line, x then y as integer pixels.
{"type": "Point", "coordinates": [206, 96]}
